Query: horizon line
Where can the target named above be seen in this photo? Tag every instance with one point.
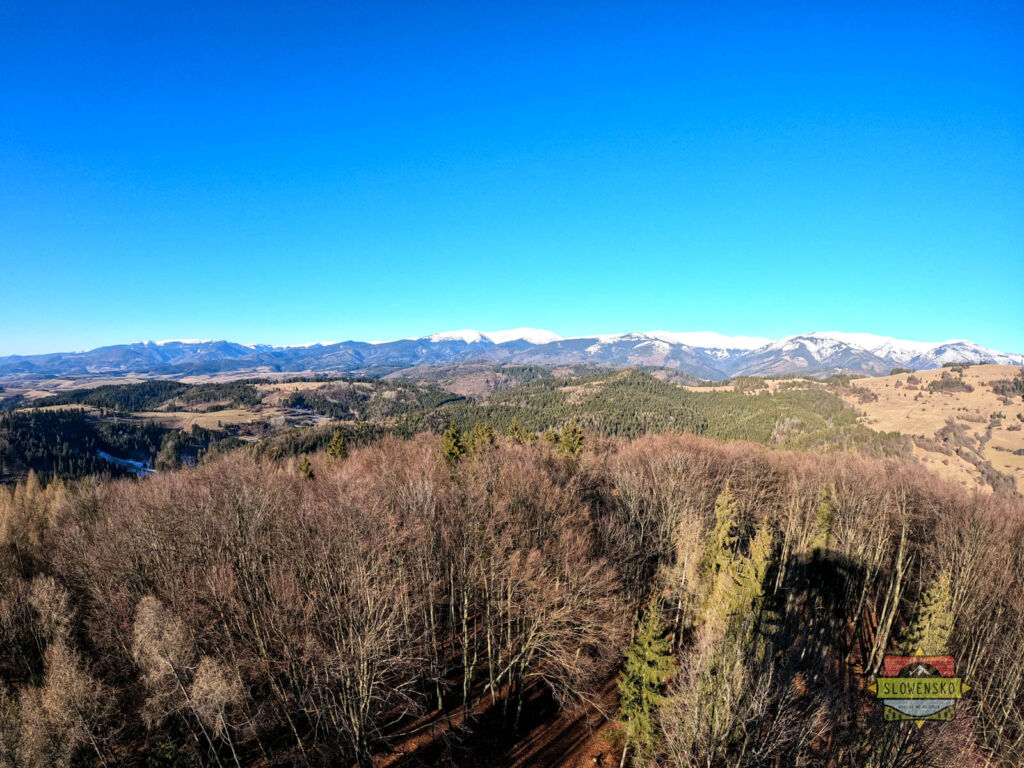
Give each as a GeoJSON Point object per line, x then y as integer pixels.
{"type": "Point", "coordinates": [552, 337]}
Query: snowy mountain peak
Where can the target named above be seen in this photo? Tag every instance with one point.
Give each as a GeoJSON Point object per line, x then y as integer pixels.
{"type": "Point", "coordinates": [962, 351]}
{"type": "Point", "coordinates": [818, 345]}
{"type": "Point", "coordinates": [883, 346]}
{"type": "Point", "coordinates": [704, 354]}
{"type": "Point", "coordinates": [709, 339]}
{"type": "Point", "coordinates": [176, 341]}
{"type": "Point", "coordinates": [467, 335]}
{"type": "Point", "coordinates": [530, 335]}
{"type": "Point", "coordinates": [695, 339]}
{"type": "Point", "coordinates": [922, 354]}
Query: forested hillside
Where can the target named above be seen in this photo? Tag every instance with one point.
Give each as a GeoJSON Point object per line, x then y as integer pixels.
{"type": "Point", "coordinates": [622, 403]}
{"type": "Point", "coordinates": [151, 395]}
{"type": "Point", "coordinates": [67, 444]}
{"type": "Point", "coordinates": [409, 604]}
{"type": "Point", "coordinates": [301, 415]}
{"type": "Point", "coordinates": [631, 403]}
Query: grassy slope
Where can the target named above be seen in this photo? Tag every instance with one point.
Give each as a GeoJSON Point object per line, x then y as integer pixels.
{"type": "Point", "coordinates": [925, 413]}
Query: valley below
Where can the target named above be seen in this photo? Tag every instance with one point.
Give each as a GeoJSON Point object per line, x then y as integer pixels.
{"type": "Point", "coordinates": [963, 422]}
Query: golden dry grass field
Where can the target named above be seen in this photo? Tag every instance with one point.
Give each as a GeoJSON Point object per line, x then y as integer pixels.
{"type": "Point", "coordinates": [990, 425]}
{"type": "Point", "coordinates": [955, 432]}
{"type": "Point", "coordinates": [185, 419]}
{"type": "Point", "coordinates": [209, 419]}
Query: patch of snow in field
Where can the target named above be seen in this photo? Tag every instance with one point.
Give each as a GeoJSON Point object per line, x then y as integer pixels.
{"type": "Point", "coordinates": [139, 468]}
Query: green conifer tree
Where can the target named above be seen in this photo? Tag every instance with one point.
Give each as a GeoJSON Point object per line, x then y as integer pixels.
{"type": "Point", "coordinates": [451, 446]}
{"type": "Point", "coordinates": [933, 621]}
{"type": "Point", "coordinates": [721, 545]}
{"type": "Point", "coordinates": [516, 432]}
{"type": "Point", "coordinates": [749, 572]}
{"type": "Point", "coordinates": [305, 468]}
{"type": "Point", "coordinates": [746, 604]}
{"type": "Point", "coordinates": [550, 436]}
{"type": "Point", "coordinates": [169, 456]}
{"type": "Point", "coordinates": [571, 441]}
{"type": "Point", "coordinates": [737, 614]}
{"type": "Point", "coordinates": [480, 438]}
{"type": "Point", "coordinates": [648, 661]}
{"type": "Point", "coordinates": [338, 447]}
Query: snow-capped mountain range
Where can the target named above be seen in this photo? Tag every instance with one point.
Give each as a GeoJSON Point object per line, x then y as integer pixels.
{"type": "Point", "coordinates": [704, 354]}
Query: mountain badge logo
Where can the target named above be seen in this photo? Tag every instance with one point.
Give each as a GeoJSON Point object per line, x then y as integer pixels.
{"type": "Point", "coordinates": [919, 688]}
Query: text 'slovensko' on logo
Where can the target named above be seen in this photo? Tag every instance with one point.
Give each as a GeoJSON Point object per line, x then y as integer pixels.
{"type": "Point", "coordinates": [919, 688]}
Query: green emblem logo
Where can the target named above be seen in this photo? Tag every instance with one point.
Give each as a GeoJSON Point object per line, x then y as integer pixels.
{"type": "Point", "coordinates": [919, 688]}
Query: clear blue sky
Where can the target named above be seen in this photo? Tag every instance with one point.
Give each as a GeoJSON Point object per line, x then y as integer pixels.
{"type": "Point", "coordinates": [290, 172]}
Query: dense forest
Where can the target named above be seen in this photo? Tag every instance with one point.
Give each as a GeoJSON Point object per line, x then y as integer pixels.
{"type": "Point", "coordinates": [371, 399]}
{"type": "Point", "coordinates": [152, 395]}
{"type": "Point", "coordinates": [70, 444]}
{"type": "Point", "coordinates": [622, 403]}
{"type": "Point", "coordinates": [66, 443]}
{"type": "Point", "coordinates": [426, 601]}
{"type": "Point", "coordinates": [630, 403]}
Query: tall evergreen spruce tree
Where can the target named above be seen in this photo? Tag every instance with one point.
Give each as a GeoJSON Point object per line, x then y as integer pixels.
{"type": "Point", "coordinates": [480, 438]}
{"type": "Point", "coordinates": [516, 432]}
{"type": "Point", "coordinates": [571, 441]}
{"type": "Point", "coordinates": [721, 545]}
{"type": "Point", "coordinates": [338, 447]}
{"type": "Point", "coordinates": [736, 618]}
{"type": "Point", "coordinates": [757, 563]}
{"type": "Point", "coordinates": [747, 609]}
{"type": "Point", "coordinates": [648, 662]}
{"type": "Point", "coordinates": [737, 592]}
{"type": "Point", "coordinates": [452, 446]}
{"type": "Point", "coordinates": [933, 621]}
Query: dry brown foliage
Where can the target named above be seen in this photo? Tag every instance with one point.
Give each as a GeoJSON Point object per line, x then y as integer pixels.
{"type": "Point", "coordinates": [62, 715]}
{"type": "Point", "coordinates": [255, 615]}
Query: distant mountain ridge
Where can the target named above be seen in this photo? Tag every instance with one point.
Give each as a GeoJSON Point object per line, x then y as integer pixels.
{"type": "Point", "coordinates": [706, 354]}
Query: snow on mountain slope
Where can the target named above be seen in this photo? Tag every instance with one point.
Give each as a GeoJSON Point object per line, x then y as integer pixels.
{"type": "Point", "coordinates": [709, 340]}
{"type": "Point", "coordinates": [809, 353]}
{"type": "Point", "coordinates": [530, 335]}
{"type": "Point", "coordinates": [897, 350]}
{"type": "Point", "coordinates": [915, 354]}
{"type": "Point", "coordinates": [716, 344]}
{"type": "Point", "coordinates": [819, 348]}
{"type": "Point", "coordinates": [705, 354]}
{"type": "Point", "coordinates": [963, 352]}
{"type": "Point", "coordinates": [176, 341]}
{"type": "Point", "coordinates": [467, 335]}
